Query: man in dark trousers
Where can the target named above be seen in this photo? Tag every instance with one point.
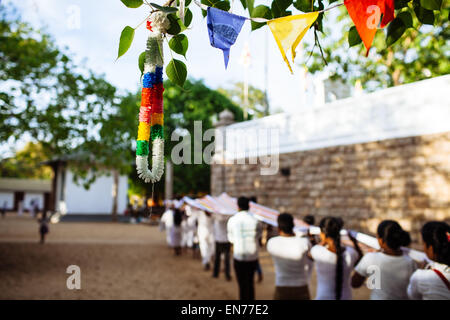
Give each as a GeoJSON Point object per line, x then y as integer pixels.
{"type": "Point", "coordinates": [222, 245]}
{"type": "Point", "coordinates": [244, 232]}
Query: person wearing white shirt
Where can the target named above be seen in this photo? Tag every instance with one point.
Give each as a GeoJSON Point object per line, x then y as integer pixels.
{"type": "Point", "coordinates": [244, 232]}
{"type": "Point", "coordinates": [166, 223]}
{"type": "Point", "coordinates": [205, 234]}
{"type": "Point", "coordinates": [433, 282]}
{"type": "Point", "coordinates": [334, 262]}
{"type": "Point", "coordinates": [222, 245]}
{"type": "Point", "coordinates": [391, 265]}
{"type": "Point", "coordinates": [289, 254]}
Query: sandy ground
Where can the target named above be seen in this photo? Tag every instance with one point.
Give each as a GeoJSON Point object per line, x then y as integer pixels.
{"type": "Point", "coordinates": [117, 261]}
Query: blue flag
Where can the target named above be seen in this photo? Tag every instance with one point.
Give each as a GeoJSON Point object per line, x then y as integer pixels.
{"type": "Point", "coordinates": [223, 29]}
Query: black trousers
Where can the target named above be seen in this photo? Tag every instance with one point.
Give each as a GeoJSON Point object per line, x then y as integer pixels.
{"type": "Point", "coordinates": [245, 272]}
{"type": "Point", "coordinates": [222, 248]}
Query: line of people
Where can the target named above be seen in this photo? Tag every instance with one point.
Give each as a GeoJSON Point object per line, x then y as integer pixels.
{"type": "Point", "coordinates": [390, 273]}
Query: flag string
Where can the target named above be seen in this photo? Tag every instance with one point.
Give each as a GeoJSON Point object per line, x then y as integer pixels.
{"type": "Point", "coordinates": [263, 20]}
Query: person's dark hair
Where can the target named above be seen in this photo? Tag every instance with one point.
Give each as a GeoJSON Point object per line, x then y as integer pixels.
{"type": "Point", "coordinates": [286, 223]}
{"type": "Point", "coordinates": [309, 219]}
{"type": "Point", "coordinates": [253, 199]}
{"type": "Point", "coordinates": [393, 234]}
{"type": "Point", "coordinates": [177, 217]}
{"type": "Point", "coordinates": [331, 227]}
{"type": "Point", "coordinates": [436, 235]}
{"type": "Point", "coordinates": [243, 203]}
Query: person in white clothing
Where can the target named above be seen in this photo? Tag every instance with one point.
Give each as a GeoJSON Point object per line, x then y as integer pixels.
{"type": "Point", "coordinates": [244, 232]}
{"type": "Point", "coordinates": [205, 233]}
{"type": "Point", "coordinates": [223, 246]}
{"type": "Point", "coordinates": [289, 254]}
{"type": "Point", "coordinates": [389, 269]}
{"type": "Point", "coordinates": [433, 282]}
{"type": "Point", "coordinates": [334, 262]}
{"type": "Point", "coordinates": [166, 223]}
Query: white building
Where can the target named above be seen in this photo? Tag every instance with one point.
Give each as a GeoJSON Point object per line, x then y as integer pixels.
{"type": "Point", "coordinates": [15, 193]}
{"type": "Point", "coordinates": [72, 198]}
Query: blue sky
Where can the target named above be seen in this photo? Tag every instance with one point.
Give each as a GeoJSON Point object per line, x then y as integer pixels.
{"type": "Point", "coordinates": [97, 38]}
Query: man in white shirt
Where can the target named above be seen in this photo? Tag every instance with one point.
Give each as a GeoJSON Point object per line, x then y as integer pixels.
{"type": "Point", "coordinates": [244, 230]}
{"type": "Point", "coordinates": [223, 246]}
{"type": "Point", "coordinates": [289, 254]}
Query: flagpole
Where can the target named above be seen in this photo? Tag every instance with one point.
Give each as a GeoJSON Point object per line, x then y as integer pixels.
{"type": "Point", "coordinates": [266, 75]}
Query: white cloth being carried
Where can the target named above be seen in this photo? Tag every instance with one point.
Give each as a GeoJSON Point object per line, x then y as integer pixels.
{"type": "Point", "coordinates": [325, 262]}
{"type": "Point", "coordinates": [425, 284]}
{"type": "Point", "coordinates": [394, 273]}
{"type": "Point", "coordinates": [289, 255]}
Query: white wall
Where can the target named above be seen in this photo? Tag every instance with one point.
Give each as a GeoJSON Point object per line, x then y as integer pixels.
{"type": "Point", "coordinates": [39, 197]}
{"type": "Point", "coordinates": [97, 199]}
{"type": "Point", "coordinates": [9, 198]}
{"type": "Point", "coordinates": [413, 109]}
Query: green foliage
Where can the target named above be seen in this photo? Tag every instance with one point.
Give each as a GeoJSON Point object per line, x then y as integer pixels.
{"type": "Point", "coordinates": [179, 44]}
{"type": "Point", "coordinates": [176, 71]}
{"type": "Point", "coordinates": [395, 30]}
{"type": "Point", "coordinates": [126, 38]}
{"type": "Point", "coordinates": [26, 163]}
{"type": "Point", "coordinates": [353, 37]}
{"type": "Point", "coordinates": [404, 52]}
{"type": "Point", "coordinates": [164, 9]}
{"type": "Point", "coordinates": [260, 11]}
{"type": "Point", "coordinates": [133, 3]}
{"type": "Point", "coordinates": [66, 107]}
{"type": "Point", "coordinates": [431, 4]}
{"type": "Point", "coordinates": [256, 99]}
{"type": "Point", "coordinates": [279, 8]}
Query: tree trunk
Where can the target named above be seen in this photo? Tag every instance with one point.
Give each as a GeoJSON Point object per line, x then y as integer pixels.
{"type": "Point", "coordinates": [115, 192]}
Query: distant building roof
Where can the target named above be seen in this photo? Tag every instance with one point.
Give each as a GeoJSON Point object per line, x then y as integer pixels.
{"type": "Point", "coordinates": [35, 185]}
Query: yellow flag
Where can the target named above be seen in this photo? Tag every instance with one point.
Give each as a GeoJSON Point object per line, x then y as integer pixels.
{"type": "Point", "coordinates": [289, 31]}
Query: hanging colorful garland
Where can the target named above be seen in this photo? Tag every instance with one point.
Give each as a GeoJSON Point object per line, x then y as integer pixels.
{"type": "Point", "coordinates": [151, 114]}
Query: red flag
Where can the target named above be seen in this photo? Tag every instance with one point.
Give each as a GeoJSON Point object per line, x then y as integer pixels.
{"type": "Point", "coordinates": [366, 15]}
{"type": "Point", "coordinates": [389, 13]}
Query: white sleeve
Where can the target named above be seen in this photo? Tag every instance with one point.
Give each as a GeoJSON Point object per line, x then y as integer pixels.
{"type": "Point", "coordinates": [230, 234]}
{"type": "Point", "coordinates": [413, 287]}
{"type": "Point", "coordinates": [363, 264]}
{"type": "Point", "coordinates": [315, 252]}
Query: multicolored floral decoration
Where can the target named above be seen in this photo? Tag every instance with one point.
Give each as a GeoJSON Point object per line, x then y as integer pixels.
{"type": "Point", "coordinates": [151, 114]}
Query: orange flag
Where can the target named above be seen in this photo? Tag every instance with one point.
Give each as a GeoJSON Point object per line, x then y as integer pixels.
{"type": "Point", "coordinates": [366, 15]}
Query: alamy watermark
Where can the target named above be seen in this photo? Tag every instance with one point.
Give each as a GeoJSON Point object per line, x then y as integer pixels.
{"type": "Point", "coordinates": [74, 280]}
{"type": "Point", "coordinates": [230, 146]}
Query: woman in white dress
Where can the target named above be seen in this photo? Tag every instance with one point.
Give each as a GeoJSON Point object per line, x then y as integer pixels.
{"type": "Point", "coordinates": [433, 282]}
{"type": "Point", "coordinates": [334, 262]}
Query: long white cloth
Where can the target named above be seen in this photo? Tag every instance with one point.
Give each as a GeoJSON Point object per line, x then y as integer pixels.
{"type": "Point", "coordinates": [205, 233]}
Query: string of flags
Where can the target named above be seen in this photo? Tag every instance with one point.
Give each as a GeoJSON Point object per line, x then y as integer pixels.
{"type": "Point", "coordinates": [224, 27]}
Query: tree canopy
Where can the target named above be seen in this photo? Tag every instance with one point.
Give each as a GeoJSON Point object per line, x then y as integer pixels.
{"type": "Point", "coordinates": [422, 51]}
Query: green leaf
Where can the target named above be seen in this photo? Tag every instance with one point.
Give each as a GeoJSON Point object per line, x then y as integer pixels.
{"type": "Point", "coordinates": [260, 11]}
{"type": "Point", "coordinates": [395, 30]}
{"type": "Point", "coordinates": [133, 3]}
{"type": "Point", "coordinates": [303, 5]}
{"type": "Point", "coordinates": [126, 38]}
{"type": "Point", "coordinates": [176, 72]}
{"type": "Point", "coordinates": [423, 15]}
{"type": "Point", "coordinates": [179, 44]}
{"type": "Point", "coordinates": [222, 5]}
{"type": "Point", "coordinates": [279, 7]}
{"type": "Point", "coordinates": [187, 18]}
{"type": "Point", "coordinates": [406, 18]}
{"type": "Point", "coordinates": [141, 62]}
{"type": "Point", "coordinates": [175, 22]}
{"type": "Point", "coordinates": [164, 9]}
{"type": "Point", "coordinates": [401, 3]}
{"type": "Point", "coordinates": [244, 3]}
{"type": "Point", "coordinates": [353, 37]}
{"type": "Point", "coordinates": [431, 4]}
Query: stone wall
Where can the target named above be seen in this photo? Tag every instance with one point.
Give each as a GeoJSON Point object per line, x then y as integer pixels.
{"type": "Point", "coordinates": [406, 179]}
